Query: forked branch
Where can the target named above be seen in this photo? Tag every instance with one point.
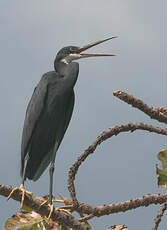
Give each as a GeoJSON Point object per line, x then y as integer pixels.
{"type": "Point", "coordinates": [102, 137]}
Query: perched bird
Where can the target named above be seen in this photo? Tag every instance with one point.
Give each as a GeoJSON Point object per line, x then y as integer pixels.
{"type": "Point", "coordinates": [48, 115]}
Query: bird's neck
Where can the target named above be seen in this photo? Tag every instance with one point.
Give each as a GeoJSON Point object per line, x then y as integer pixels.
{"type": "Point", "coordinates": [60, 68]}
{"type": "Point", "coordinates": [68, 72]}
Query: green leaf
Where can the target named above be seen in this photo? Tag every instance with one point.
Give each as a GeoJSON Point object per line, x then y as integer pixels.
{"type": "Point", "coordinates": [32, 221]}
{"type": "Point", "coordinates": [162, 173]}
{"type": "Point", "coordinates": [25, 221]}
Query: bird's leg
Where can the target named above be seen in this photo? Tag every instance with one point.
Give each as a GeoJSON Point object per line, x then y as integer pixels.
{"type": "Point", "coordinates": [51, 171]}
{"type": "Point", "coordinates": [21, 188]}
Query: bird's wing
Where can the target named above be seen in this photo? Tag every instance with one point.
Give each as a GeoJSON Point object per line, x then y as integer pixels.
{"type": "Point", "coordinates": [59, 134]}
{"type": "Point", "coordinates": [34, 111]}
{"type": "Point", "coordinates": [70, 110]}
{"type": "Point", "coordinates": [68, 114]}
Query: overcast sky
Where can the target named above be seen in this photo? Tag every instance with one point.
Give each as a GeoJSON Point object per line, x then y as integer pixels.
{"type": "Point", "coordinates": [122, 168]}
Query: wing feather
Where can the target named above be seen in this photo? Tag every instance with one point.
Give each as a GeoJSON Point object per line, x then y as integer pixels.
{"type": "Point", "coordinates": [34, 111]}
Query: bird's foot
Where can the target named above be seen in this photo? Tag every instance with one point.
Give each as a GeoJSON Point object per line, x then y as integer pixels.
{"type": "Point", "coordinates": [58, 208]}
{"type": "Point", "coordinates": [67, 208]}
{"type": "Point", "coordinates": [61, 208]}
{"type": "Point", "coordinates": [68, 205]}
{"type": "Point", "coordinates": [46, 202]}
{"type": "Point", "coordinates": [22, 189]}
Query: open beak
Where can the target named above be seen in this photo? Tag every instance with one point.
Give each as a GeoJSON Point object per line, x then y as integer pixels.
{"type": "Point", "coordinates": [78, 55]}
{"type": "Point", "coordinates": [83, 55]}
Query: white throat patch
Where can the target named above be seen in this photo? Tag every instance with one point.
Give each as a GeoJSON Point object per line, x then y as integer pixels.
{"type": "Point", "coordinates": [70, 58]}
{"type": "Point", "coordinates": [64, 60]}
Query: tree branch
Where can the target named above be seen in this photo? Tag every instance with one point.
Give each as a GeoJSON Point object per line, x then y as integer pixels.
{"type": "Point", "coordinates": [159, 216]}
{"type": "Point", "coordinates": [122, 206]}
{"type": "Point", "coordinates": [159, 114]}
{"type": "Point", "coordinates": [103, 136]}
{"type": "Point", "coordinates": [43, 210]}
{"type": "Point", "coordinates": [90, 210]}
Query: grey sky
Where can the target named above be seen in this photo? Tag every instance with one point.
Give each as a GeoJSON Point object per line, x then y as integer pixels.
{"type": "Point", "coordinates": [31, 33]}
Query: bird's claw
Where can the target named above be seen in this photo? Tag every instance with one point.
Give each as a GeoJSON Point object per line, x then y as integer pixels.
{"type": "Point", "coordinates": [43, 203]}
{"type": "Point", "coordinates": [64, 200]}
{"type": "Point", "coordinates": [22, 189]}
{"type": "Point", "coordinates": [64, 209]}
{"type": "Point", "coordinates": [46, 202]}
{"type": "Point", "coordinates": [68, 205]}
{"type": "Point", "coordinates": [61, 208]}
{"type": "Point", "coordinates": [58, 208]}
{"type": "Point", "coordinates": [51, 211]}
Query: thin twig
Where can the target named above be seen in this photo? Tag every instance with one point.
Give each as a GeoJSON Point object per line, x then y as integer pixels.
{"type": "Point", "coordinates": [159, 216]}
{"type": "Point", "coordinates": [103, 136]}
{"type": "Point", "coordinates": [158, 114]}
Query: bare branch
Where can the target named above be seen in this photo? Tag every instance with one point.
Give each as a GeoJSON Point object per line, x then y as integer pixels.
{"type": "Point", "coordinates": [90, 210]}
{"type": "Point", "coordinates": [122, 206]}
{"type": "Point", "coordinates": [159, 114]}
{"type": "Point", "coordinates": [103, 136]}
{"type": "Point", "coordinates": [97, 211]}
{"type": "Point", "coordinates": [159, 216]}
{"type": "Point", "coordinates": [43, 210]}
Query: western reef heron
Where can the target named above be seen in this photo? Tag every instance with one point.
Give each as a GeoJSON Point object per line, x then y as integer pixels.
{"type": "Point", "coordinates": [48, 115]}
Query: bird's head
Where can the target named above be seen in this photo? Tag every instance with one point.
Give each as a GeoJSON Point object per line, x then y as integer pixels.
{"type": "Point", "coordinates": [70, 53]}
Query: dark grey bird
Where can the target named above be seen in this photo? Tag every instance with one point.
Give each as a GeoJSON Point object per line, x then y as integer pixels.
{"type": "Point", "coordinates": [48, 114]}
